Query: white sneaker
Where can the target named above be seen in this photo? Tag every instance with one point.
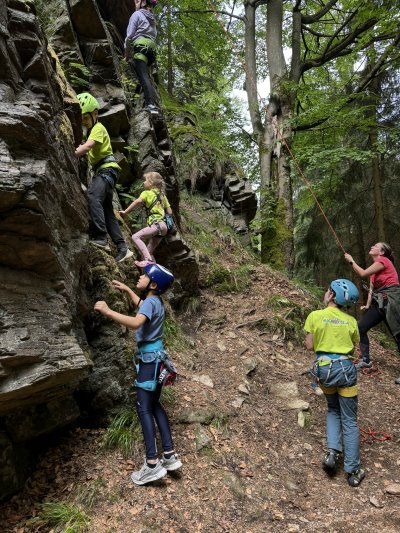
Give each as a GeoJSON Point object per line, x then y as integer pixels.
{"type": "Point", "coordinates": [125, 254]}
{"type": "Point", "coordinates": [172, 463]}
{"type": "Point", "coordinates": [147, 474]}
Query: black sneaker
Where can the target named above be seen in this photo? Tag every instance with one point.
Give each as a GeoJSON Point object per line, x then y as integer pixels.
{"type": "Point", "coordinates": [122, 255]}
{"type": "Point", "coordinates": [363, 364]}
{"type": "Point", "coordinates": [330, 460]}
{"type": "Point", "coordinates": [356, 477]}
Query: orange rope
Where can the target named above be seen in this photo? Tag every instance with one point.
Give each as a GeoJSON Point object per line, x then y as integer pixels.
{"type": "Point", "coordinates": [279, 135]}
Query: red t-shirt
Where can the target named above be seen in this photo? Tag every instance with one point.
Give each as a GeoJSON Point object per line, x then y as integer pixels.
{"type": "Point", "coordinates": [387, 276]}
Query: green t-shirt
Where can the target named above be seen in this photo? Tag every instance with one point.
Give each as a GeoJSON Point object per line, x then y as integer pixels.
{"type": "Point", "coordinates": [158, 210]}
{"type": "Point", "coordinates": [334, 330]}
{"type": "Point", "coordinates": [102, 148]}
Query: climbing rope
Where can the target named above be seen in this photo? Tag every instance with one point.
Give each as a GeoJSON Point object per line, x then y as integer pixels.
{"type": "Point", "coordinates": [276, 129]}
{"type": "Point", "coordinates": [368, 435]}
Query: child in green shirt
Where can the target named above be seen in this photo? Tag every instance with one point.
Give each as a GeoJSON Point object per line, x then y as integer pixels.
{"type": "Point", "coordinates": [332, 334]}
{"type": "Point", "coordinates": [158, 208]}
{"type": "Point", "coordinates": [106, 171]}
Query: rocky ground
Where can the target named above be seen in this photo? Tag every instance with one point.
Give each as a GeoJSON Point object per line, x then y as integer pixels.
{"type": "Point", "coordinates": [250, 431]}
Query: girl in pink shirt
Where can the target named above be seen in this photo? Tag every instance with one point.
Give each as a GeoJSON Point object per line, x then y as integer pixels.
{"type": "Point", "coordinates": [382, 275]}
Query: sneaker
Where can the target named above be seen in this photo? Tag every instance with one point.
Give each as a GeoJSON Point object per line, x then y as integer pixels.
{"type": "Point", "coordinates": [100, 243]}
{"type": "Point", "coordinates": [122, 255]}
{"type": "Point", "coordinates": [397, 381]}
{"type": "Point", "coordinates": [152, 109]}
{"type": "Point", "coordinates": [142, 264]}
{"type": "Point", "coordinates": [147, 474]}
{"type": "Point", "coordinates": [356, 477]}
{"type": "Point", "coordinates": [172, 463]}
{"type": "Point", "coordinates": [329, 462]}
{"type": "Point", "coordinates": [363, 364]}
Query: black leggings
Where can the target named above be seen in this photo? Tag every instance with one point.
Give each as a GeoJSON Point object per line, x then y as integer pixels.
{"type": "Point", "coordinates": [149, 409]}
{"type": "Point", "coordinates": [372, 317]}
{"type": "Point", "coordinates": [142, 72]}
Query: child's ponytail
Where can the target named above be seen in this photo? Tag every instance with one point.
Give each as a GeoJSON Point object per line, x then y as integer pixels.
{"type": "Point", "coordinates": [156, 180]}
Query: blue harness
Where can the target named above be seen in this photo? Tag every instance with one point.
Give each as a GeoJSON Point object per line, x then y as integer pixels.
{"type": "Point", "coordinates": [156, 348]}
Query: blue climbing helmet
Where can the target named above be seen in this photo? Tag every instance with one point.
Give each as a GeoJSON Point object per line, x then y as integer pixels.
{"type": "Point", "coordinates": [346, 293]}
{"type": "Point", "coordinates": [160, 275]}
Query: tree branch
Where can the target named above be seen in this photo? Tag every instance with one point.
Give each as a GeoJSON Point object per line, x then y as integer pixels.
{"type": "Point", "coordinates": [340, 49]}
{"type": "Point", "coordinates": [308, 19]}
{"type": "Point", "coordinates": [203, 11]}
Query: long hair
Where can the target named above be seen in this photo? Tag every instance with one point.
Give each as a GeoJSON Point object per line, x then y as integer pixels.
{"type": "Point", "coordinates": [387, 251]}
{"type": "Point", "coordinates": [156, 180]}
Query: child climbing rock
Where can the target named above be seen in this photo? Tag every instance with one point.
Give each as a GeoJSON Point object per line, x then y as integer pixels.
{"type": "Point", "coordinates": [148, 324]}
{"type": "Point", "coordinates": [157, 206]}
{"type": "Point", "coordinates": [140, 49]}
{"type": "Point", "coordinates": [332, 334]}
{"type": "Point", "coordinates": [106, 171]}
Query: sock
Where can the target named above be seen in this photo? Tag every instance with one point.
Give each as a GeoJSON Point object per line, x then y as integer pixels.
{"type": "Point", "coordinates": [168, 455]}
{"type": "Point", "coordinates": [151, 465]}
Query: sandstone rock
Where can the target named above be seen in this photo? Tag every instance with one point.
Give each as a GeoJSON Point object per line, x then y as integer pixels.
{"type": "Point", "coordinates": [297, 404]}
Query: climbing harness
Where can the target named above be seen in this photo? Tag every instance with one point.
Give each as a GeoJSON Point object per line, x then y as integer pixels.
{"type": "Point", "coordinates": [329, 359]}
{"type": "Point", "coordinates": [107, 159]}
{"type": "Point", "coordinates": [168, 219]}
{"type": "Point", "coordinates": [165, 373]}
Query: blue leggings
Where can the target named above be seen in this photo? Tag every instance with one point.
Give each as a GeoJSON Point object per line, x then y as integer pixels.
{"type": "Point", "coordinates": [149, 408]}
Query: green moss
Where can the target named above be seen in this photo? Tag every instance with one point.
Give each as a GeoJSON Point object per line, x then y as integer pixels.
{"type": "Point", "coordinates": [275, 234]}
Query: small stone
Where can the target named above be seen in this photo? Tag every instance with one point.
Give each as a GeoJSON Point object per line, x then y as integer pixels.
{"type": "Point", "coordinates": [393, 488]}
{"type": "Point", "coordinates": [250, 365]}
{"type": "Point", "coordinates": [238, 402]}
{"type": "Point", "coordinates": [221, 346]}
{"type": "Point", "coordinates": [307, 447]}
{"type": "Point", "coordinates": [244, 388]}
{"type": "Point", "coordinates": [284, 389]}
{"type": "Point", "coordinates": [298, 404]}
{"type": "Point", "coordinates": [303, 419]}
{"type": "Point", "coordinates": [375, 502]}
{"type": "Point", "coordinates": [203, 439]}
{"type": "Point", "coordinates": [204, 380]}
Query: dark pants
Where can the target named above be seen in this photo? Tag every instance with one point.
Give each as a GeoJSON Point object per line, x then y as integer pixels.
{"type": "Point", "coordinates": [149, 409]}
{"type": "Point", "coordinates": [372, 317]}
{"type": "Point", "coordinates": [142, 72]}
{"type": "Point", "coordinates": [103, 219]}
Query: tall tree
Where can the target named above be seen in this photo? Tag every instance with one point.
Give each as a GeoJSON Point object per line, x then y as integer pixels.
{"type": "Point", "coordinates": [318, 34]}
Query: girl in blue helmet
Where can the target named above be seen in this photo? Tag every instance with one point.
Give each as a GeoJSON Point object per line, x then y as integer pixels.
{"type": "Point", "coordinates": [148, 325]}
{"type": "Point", "coordinates": [140, 48]}
{"type": "Point", "coordinates": [331, 334]}
{"type": "Point", "coordinates": [383, 303]}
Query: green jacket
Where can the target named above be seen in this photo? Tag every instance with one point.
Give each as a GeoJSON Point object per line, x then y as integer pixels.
{"type": "Point", "coordinates": [392, 307]}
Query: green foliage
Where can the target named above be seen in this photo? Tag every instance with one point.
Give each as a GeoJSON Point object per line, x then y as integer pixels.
{"type": "Point", "coordinates": [168, 396]}
{"type": "Point", "coordinates": [79, 76]}
{"type": "Point", "coordinates": [123, 433]}
{"type": "Point", "coordinates": [224, 280]}
{"type": "Point", "coordinates": [277, 301]}
{"type": "Point", "coordinates": [174, 338]}
{"type": "Point", "coordinates": [62, 517]}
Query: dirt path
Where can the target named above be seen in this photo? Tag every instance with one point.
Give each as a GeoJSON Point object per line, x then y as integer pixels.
{"type": "Point", "coordinates": [260, 471]}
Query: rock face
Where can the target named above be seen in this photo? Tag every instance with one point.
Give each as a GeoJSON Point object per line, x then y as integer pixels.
{"type": "Point", "coordinates": [221, 182]}
{"type": "Point", "coordinates": [43, 236]}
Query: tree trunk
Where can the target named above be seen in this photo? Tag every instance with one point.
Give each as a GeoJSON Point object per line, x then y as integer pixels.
{"type": "Point", "coordinates": [170, 74]}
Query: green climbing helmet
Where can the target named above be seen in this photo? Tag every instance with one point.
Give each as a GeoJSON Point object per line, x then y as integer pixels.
{"type": "Point", "coordinates": [87, 102]}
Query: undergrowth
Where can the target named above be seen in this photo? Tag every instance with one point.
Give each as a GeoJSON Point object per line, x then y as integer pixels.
{"type": "Point", "coordinates": [124, 433]}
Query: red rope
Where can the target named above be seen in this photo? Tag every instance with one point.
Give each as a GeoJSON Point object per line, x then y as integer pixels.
{"type": "Point", "coordinates": [279, 135]}
{"type": "Point", "coordinates": [369, 434]}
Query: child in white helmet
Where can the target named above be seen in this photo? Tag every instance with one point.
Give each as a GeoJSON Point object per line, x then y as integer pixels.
{"type": "Point", "coordinates": [106, 171]}
{"type": "Point", "coordinates": [148, 325]}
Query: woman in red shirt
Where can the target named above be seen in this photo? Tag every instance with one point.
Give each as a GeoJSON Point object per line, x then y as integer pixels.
{"type": "Point", "coordinates": [384, 291]}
